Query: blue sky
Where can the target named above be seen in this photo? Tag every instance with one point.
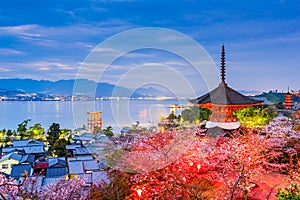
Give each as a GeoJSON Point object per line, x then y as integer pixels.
{"type": "Point", "coordinates": [49, 40]}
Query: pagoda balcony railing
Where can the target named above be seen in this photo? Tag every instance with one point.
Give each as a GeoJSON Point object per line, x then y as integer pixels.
{"type": "Point", "coordinates": [223, 118]}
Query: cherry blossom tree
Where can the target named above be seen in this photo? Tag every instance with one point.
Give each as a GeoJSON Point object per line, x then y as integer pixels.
{"type": "Point", "coordinates": [240, 160]}
{"type": "Point", "coordinates": [168, 165]}
{"type": "Point", "coordinates": [183, 165]}
{"type": "Point", "coordinates": [29, 188]}
{"type": "Point", "coordinates": [7, 188]}
{"type": "Point", "coordinates": [286, 140]}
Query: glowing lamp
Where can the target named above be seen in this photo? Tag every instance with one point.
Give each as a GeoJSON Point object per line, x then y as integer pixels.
{"type": "Point", "coordinates": [139, 192]}
{"type": "Point", "coordinates": [198, 167]}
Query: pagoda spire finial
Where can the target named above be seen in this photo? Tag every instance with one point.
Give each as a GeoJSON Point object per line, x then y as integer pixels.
{"type": "Point", "coordinates": [223, 65]}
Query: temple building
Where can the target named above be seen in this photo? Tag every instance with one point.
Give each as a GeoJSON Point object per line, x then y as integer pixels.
{"type": "Point", "coordinates": [223, 101]}
{"type": "Point", "coordinates": [288, 100]}
{"type": "Point", "coordinates": [94, 121]}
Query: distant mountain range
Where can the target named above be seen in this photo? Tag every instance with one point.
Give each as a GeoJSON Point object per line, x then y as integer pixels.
{"type": "Point", "coordinates": [65, 88]}
{"type": "Point", "coordinates": [4, 92]}
{"type": "Point", "coordinates": [15, 86]}
{"type": "Point", "coordinates": [250, 92]}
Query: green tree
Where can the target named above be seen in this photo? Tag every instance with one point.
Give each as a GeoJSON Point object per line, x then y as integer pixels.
{"type": "Point", "coordinates": [36, 131]}
{"type": "Point", "coordinates": [15, 134]}
{"type": "Point", "coordinates": [172, 116]}
{"type": "Point", "coordinates": [53, 134]}
{"type": "Point", "coordinates": [97, 129]}
{"type": "Point", "coordinates": [117, 188]}
{"type": "Point", "coordinates": [2, 135]}
{"type": "Point", "coordinates": [108, 131]}
{"type": "Point", "coordinates": [22, 129]}
{"type": "Point", "coordinates": [252, 117]}
{"type": "Point", "coordinates": [291, 193]}
{"type": "Point", "coordinates": [273, 96]}
{"type": "Point", "coordinates": [8, 137]}
{"type": "Point", "coordinates": [65, 134]}
{"type": "Point", "coordinates": [9, 133]}
{"type": "Point", "coordinates": [59, 147]}
{"type": "Point", "coordinates": [195, 114]}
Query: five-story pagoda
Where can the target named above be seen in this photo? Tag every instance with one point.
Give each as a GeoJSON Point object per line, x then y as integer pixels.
{"type": "Point", "coordinates": [223, 101]}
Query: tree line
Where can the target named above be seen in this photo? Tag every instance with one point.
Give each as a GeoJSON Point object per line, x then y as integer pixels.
{"type": "Point", "coordinates": [54, 136]}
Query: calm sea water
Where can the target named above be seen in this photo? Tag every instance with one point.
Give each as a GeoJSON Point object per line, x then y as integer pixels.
{"type": "Point", "coordinates": [72, 115]}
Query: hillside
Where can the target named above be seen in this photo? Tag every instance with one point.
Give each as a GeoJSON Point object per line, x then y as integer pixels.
{"type": "Point", "coordinates": [65, 88]}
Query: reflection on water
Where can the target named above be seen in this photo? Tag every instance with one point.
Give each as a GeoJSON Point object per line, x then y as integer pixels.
{"type": "Point", "coordinates": [117, 113]}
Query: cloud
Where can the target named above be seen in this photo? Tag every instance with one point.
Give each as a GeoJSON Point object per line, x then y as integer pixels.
{"type": "Point", "coordinates": [28, 30]}
{"type": "Point", "coordinates": [7, 51]}
{"type": "Point", "coordinates": [50, 70]}
{"type": "Point", "coordinates": [48, 65]}
{"type": "Point", "coordinates": [4, 69]}
{"type": "Point", "coordinates": [44, 68]}
{"type": "Point", "coordinates": [71, 35]}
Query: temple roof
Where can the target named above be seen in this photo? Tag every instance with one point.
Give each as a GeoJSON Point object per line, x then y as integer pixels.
{"type": "Point", "coordinates": [224, 95]}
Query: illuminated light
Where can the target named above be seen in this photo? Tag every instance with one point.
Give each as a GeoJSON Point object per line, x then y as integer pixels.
{"type": "Point", "coordinates": [184, 179]}
{"type": "Point", "coordinates": [191, 163]}
{"type": "Point", "coordinates": [139, 192]}
{"type": "Point", "coordinates": [198, 167]}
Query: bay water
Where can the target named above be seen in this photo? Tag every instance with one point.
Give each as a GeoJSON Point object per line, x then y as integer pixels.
{"type": "Point", "coordinates": [73, 114]}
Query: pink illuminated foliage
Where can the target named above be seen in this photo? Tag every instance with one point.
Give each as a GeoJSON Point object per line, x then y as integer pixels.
{"type": "Point", "coordinates": [183, 164]}
{"type": "Point", "coordinates": [30, 188]}
{"type": "Point", "coordinates": [224, 168]}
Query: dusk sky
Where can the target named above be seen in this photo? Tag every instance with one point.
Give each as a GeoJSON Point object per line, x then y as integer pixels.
{"type": "Point", "coordinates": [50, 39]}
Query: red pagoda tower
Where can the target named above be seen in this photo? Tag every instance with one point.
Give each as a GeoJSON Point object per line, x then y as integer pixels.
{"type": "Point", "coordinates": [223, 101]}
{"type": "Point", "coordinates": [288, 100]}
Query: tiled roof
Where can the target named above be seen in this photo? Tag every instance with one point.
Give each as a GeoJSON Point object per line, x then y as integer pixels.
{"type": "Point", "coordinates": [27, 158]}
{"type": "Point", "coordinates": [81, 151]}
{"type": "Point", "coordinates": [13, 156]}
{"type": "Point", "coordinates": [41, 165]}
{"type": "Point", "coordinates": [76, 167]}
{"type": "Point", "coordinates": [8, 149]}
{"type": "Point", "coordinates": [56, 172]}
{"type": "Point", "coordinates": [90, 165]}
{"type": "Point", "coordinates": [103, 139]}
{"type": "Point", "coordinates": [99, 135]}
{"type": "Point", "coordinates": [72, 146]}
{"type": "Point", "coordinates": [31, 149]}
{"type": "Point", "coordinates": [18, 150]}
{"type": "Point", "coordinates": [95, 148]}
{"type": "Point", "coordinates": [224, 95]}
{"type": "Point", "coordinates": [87, 135]}
{"type": "Point", "coordinates": [18, 170]}
{"type": "Point", "coordinates": [84, 158]}
{"type": "Point", "coordinates": [71, 159]}
{"type": "Point", "coordinates": [84, 137]}
{"type": "Point", "coordinates": [76, 137]}
{"type": "Point", "coordinates": [34, 149]}
{"type": "Point", "coordinates": [56, 162]}
{"type": "Point", "coordinates": [23, 143]}
{"type": "Point", "coordinates": [103, 164]}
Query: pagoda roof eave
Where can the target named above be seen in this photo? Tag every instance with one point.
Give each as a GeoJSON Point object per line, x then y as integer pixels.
{"type": "Point", "coordinates": [224, 95]}
{"type": "Point", "coordinates": [233, 105]}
